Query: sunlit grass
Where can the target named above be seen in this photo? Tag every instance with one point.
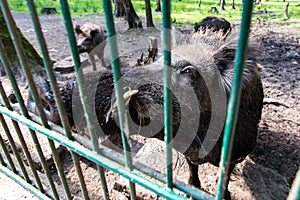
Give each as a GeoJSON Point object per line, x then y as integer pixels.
{"type": "Point", "coordinates": [185, 11]}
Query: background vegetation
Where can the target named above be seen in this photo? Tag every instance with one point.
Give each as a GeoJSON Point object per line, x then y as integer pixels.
{"type": "Point", "coordinates": [185, 11]}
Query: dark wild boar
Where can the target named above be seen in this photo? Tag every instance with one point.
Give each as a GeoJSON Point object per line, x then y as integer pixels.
{"type": "Point", "coordinates": [201, 82]}
{"type": "Point", "coordinates": [214, 24]}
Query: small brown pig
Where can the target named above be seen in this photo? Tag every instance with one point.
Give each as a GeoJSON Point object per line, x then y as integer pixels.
{"type": "Point", "coordinates": [91, 38]}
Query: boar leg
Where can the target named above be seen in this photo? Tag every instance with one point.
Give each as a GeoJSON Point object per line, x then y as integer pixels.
{"type": "Point", "coordinates": [92, 58]}
{"type": "Point", "coordinates": [100, 56]}
{"type": "Point", "coordinates": [227, 195]}
{"type": "Point", "coordinates": [193, 178]}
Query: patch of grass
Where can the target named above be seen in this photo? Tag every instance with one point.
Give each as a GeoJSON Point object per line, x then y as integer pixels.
{"type": "Point", "coordinates": [186, 11]}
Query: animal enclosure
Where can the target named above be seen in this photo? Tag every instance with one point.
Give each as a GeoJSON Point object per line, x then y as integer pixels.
{"type": "Point", "coordinates": [100, 157]}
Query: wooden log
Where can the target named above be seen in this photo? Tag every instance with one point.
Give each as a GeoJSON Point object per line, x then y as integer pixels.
{"type": "Point", "coordinates": [152, 50]}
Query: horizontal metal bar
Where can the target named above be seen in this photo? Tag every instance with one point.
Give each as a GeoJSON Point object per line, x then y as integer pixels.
{"type": "Point", "coordinates": [93, 156]}
{"type": "Point", "coordinates": [117, 157]}
{"type": "Point", "coordinates": [7, 155]}
{"type": "Point", "coordinates": [21, 139]}
{"type": "Point", "coordinates": [23, 183]}
{"type": "Point", "coordinates": [27, 71]}
{"type": "Point", "coordinates": [24, 111]}
{"type": "Point", "coordinates": [14, 148]}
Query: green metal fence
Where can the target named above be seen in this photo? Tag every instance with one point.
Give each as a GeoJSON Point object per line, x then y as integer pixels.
{"type": "Point", "coordinates": [26, 173]}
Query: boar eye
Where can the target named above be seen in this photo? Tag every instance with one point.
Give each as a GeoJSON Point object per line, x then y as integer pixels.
{"type": "Point", "coordinates": [187, 70]}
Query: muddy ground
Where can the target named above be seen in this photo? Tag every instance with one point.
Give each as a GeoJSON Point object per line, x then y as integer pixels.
{"type": "Point", "coordinates": [267, 173]}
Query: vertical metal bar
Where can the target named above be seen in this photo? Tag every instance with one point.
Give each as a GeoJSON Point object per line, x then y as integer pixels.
{"type": "Point", "coordinates": [294, 193]}
{"type": "Point", "coordinates": [2, 161]}
{"type": "Point", "coordinates": [166, 24]}
{"type": "Point", "coordinates": [86, 107]}
{"type": "Point", "coordinates": [234, 99]}
{"type": "Point", "coordinates": [94, 156]}
{"type": "Point", "coordinates": [14, 148]}
{"type": "Point", "coordinates": [6, 153]}
{"type": "Point", "coordinates": [12, 79]}
{"type": "Point", "coordinates": [24, 111]}
{"type": "Point", "coordinates": [21, 56]}
{"type": "Point", "coordinates": [20, 53]}
{"type": "Point", "coordinates": [48, 66]}
{"type": "Point", "coordinates": [22, 141]}
{"type": "Point", "coordinates": [123, 121]}
{"type": "Point", "coordinates": [52, 79]}
{"type": "Point", "coordinates": [21, 181]}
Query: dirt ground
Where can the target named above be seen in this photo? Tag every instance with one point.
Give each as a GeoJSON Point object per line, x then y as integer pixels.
{"type": "Point", "coordinates": [267, 173]}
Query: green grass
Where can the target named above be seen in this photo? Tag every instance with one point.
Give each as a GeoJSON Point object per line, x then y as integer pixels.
{"type": "Point", "coordinates": [186, 11]}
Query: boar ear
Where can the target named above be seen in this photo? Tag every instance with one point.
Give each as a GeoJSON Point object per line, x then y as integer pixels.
{"type": "Point", "coordinates": [224, 57]}
{"type": "Point", "coordinates": [77, 29]}
{"type": "Point", "coordinates": [93, 33]}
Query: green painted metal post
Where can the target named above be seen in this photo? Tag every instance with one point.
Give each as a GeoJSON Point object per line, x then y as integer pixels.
{"type": "Point", "coordinates": [21, 139]}
{"type": "Point", "coordinates": [23, 183]}
{"type": "Point", "coordinates": [166, 24]}
{"type": "Point", "coordinates": [14, 148]}
{"type": "Point", "coordinates": [122, 166]}
{"type": "Point", "coordinates": [123, 121]}
{"type": "Point", "coordinates": [24, 111]}
{"type": "Point", "coordinates": [83, 97]}
{"type": "Point", "coordinates": [7, 155]}
{"type": "Point", "coordinates": [23, 62]}
{"type": "Point", "coordinates": [234, 100]}
{"type": "Point", "coordinates": [52, 79]}
{"type": "Point", "coordinates": [93, 156]}
{"type": "Point", "coordinates": [11, 139]}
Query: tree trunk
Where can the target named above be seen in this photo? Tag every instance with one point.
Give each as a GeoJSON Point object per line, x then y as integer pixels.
{"type": "Point", "coordinates": [158, 7]}
{"type": "Point", "coordinates": [232, 5]}
{"type": "Point", "coordinates": [149, 14]}
{"type": "Point", "coordinates": [132, 18]}
{"type": "Point", "coordinates": [286, 11]}
{"type": "Point", "coordinates": [119, 8]}
{"type": "Point", "coordinates": [222, 4]}
{"type": "Point", "coordinates": [34, 60]}
{"type": "Point", "coordinates": [199, 3]}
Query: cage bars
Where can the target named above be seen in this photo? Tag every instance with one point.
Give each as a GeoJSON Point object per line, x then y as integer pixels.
{"type": "Point", "coordinates": [54, 87]}
{"type": "Point", "coordinates": [26, 69]}
{"type": "Point", "coordinates": [234, 99]}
